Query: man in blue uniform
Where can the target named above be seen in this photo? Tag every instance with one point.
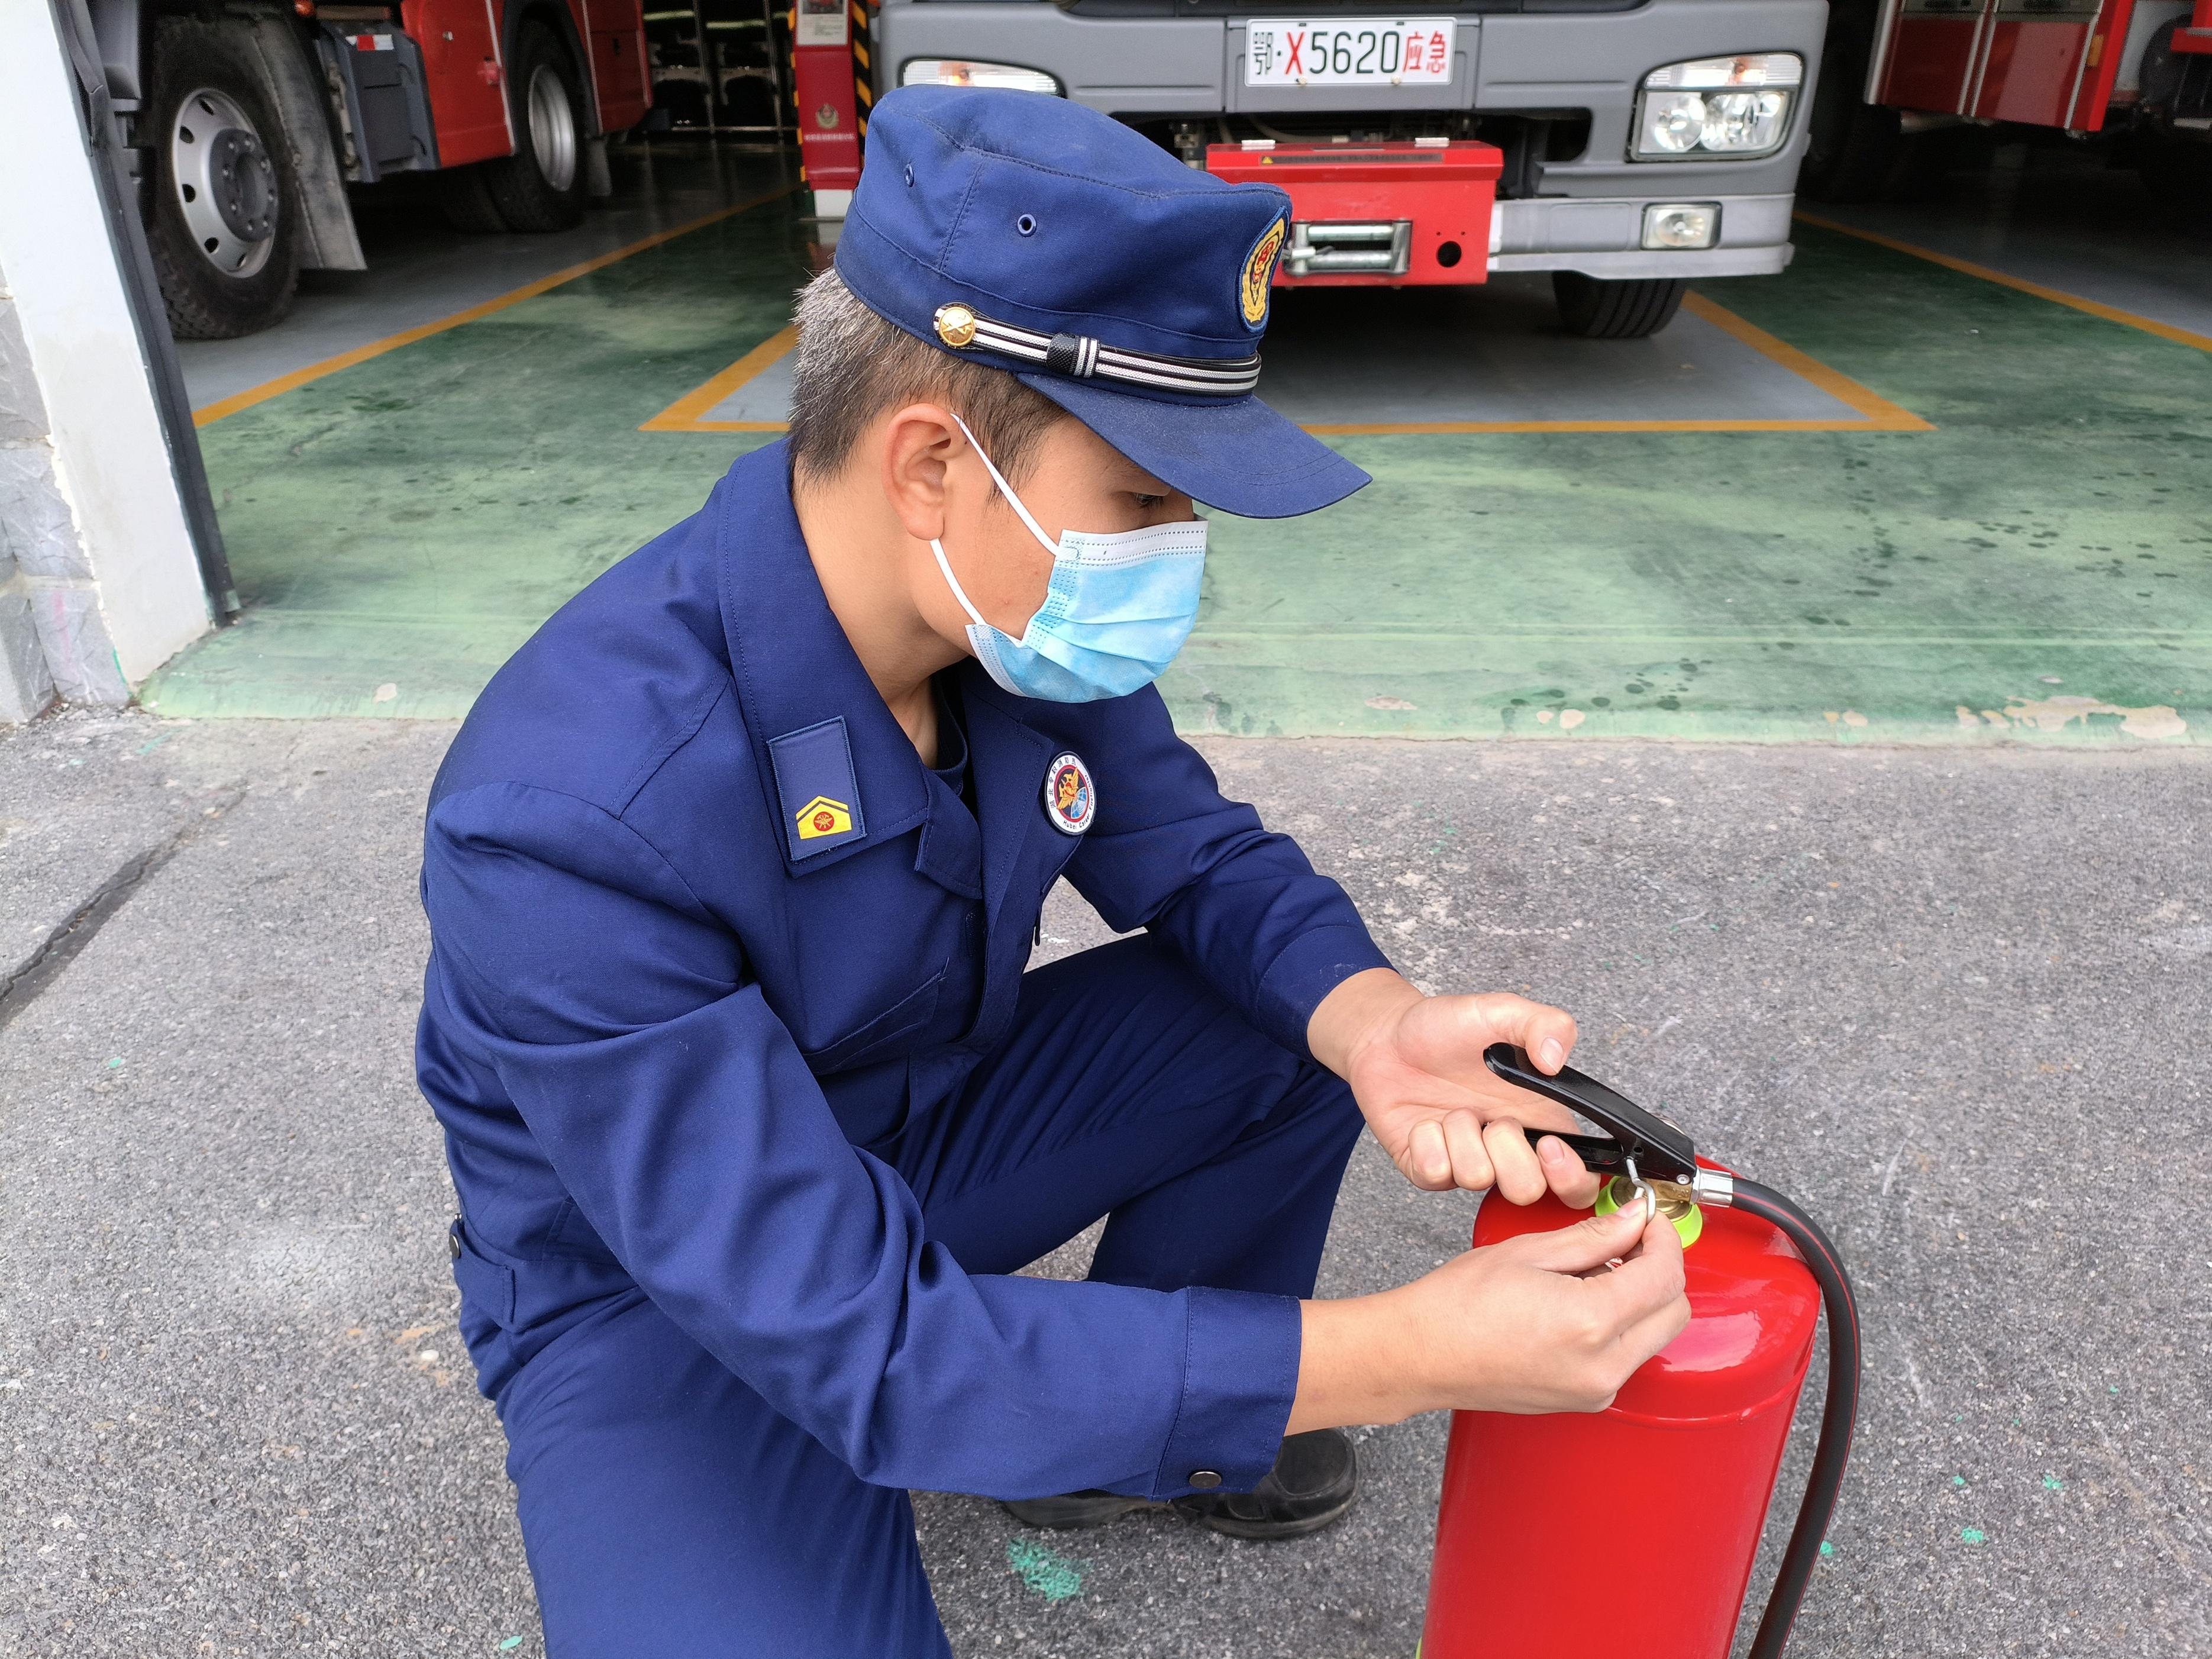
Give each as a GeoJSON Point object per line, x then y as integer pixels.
{"type": "Point", "coordinates": [732, 877]}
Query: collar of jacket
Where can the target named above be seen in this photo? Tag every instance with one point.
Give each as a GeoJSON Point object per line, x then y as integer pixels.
{"type": "Point", "coordinates": [794, 668]}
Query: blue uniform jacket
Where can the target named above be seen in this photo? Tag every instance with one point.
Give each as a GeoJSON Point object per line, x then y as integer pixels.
{"type": "Point", "coordinates": [661, 1028]}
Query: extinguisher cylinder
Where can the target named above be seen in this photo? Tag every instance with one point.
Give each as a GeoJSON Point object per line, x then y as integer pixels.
{"type": "Point", "coordinates": [1549, 1526]}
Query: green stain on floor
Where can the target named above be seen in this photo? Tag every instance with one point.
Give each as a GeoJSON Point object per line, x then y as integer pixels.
{"type": "Point", "coordinates": [2035, 569]}
{"type": "Point", "coordinates": [1046, 1572]}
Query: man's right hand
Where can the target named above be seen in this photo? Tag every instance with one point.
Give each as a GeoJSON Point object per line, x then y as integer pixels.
{"type": "Point", "coordinates": [1538, 1323]}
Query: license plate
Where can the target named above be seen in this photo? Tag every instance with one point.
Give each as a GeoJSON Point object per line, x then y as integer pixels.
{"type": "Point", "coordinates": [1360, 53]}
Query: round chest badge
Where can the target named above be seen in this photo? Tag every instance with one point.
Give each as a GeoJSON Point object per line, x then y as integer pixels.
{"type": "Point", "coordinates": [1069, 797]}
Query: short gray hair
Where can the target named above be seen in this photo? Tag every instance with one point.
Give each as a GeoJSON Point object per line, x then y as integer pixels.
{"type": "Point", "coordinates": [851, 366]}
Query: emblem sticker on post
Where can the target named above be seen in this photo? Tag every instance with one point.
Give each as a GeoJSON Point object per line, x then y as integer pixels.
{"type": "Point", "coordinates": [1070, 799]}
{"type": "Point", "coordinates": [1348, 51]}
{"type": "Point", "coordinates": [814, 781]}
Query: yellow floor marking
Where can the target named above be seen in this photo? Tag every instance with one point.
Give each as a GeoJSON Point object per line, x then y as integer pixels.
{"type": "Point", "coordinates": [300, 377]}
{"type": "Point", "coordinates": [1883, 415]}
{"type": "Point", "coordinates": [1878, 413]}
{"type": "Point", "coordinates": [683, 415]}
{"type": "Point", "coordinates": [2056, 297]}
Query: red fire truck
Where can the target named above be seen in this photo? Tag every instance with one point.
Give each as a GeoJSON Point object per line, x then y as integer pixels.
{"type": "Point", "coordinates": [1626, 148]}
{"type": "Point", "coordinates": [1901, 78]}
{"type": "Point", "coordinates": [248, 122]}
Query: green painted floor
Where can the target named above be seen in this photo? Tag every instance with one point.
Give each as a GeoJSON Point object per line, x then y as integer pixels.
{"type": "Point", "coordinates": [2038, 567]}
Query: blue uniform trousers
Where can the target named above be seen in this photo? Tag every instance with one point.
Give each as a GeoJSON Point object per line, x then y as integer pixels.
{"type": "Point", "coordinates": [667, 1508]}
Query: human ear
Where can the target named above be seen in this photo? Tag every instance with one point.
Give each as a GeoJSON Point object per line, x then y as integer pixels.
{"type": "Point", "coordinates": [917, 447]}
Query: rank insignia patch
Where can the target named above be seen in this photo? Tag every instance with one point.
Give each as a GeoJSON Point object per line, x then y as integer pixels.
{"type": "Point", "coordinates": [1070, 800]}
{"type": "Point", "coordinates": [817, 789]}
{"type": "Point", "coordinates": [823, 817]}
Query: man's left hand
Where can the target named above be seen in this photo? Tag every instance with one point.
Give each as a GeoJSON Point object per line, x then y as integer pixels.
{"type": "Point", "coordinates": [1415, 1065]}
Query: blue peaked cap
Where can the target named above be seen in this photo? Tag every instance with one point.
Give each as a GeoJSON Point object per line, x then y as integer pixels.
{"type": "Point", "coordinates": [1032, 234]}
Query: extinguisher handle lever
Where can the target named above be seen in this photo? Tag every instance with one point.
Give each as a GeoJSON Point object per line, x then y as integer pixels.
{"type": "Point", "coordinates": [1659, 1148]}
{"type": "Point", "coordinates": [1596, 1152]}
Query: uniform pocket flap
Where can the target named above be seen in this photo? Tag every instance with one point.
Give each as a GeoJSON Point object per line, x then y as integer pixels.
{"type": "Point", "coordinates": [903, 1018]}
{"type": "Point", "coordinates": [484, 1282]}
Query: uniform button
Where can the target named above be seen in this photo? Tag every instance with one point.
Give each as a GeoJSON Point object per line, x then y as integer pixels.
{"type": "Point", "coordinates": [454, 1243]}
{"type": "Point", "coordinates": [1204, 1480]}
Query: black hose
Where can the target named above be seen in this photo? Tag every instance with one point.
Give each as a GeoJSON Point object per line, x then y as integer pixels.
{"type": "Point", "coordinates": [1837, 1416]}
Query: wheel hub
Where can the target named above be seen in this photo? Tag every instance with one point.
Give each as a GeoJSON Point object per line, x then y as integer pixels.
{"type": "Point", "coordinates": [245, 184]}
{"type": "Point", "coordinates": [552, 128]}
{"type": "Point", "coordinates": [226, 182]}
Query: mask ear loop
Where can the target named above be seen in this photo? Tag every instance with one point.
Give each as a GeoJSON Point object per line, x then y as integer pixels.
{"type": "Point", "coordinates": [1012, 500]}
{"type": "Point", "coordinates": [953, 582]}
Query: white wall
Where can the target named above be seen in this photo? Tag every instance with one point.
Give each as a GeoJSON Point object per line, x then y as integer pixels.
{"type": "Point", "coordinates": [115, 591]}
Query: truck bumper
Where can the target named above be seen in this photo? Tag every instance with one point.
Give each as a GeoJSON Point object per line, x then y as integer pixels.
{"type": "Point", "coordinates": [1603, 237]}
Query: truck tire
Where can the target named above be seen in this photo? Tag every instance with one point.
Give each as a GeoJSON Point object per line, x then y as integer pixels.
{"type": "Point", "coordinates": [1853, 150]}
{"type": "Point", "coordinates": [225, 217]}
{"type": "Point", "coordinates": [541, 186]}
{"type": "Point", "coordinates": [2175, 169]}
{"type": "Point", "coordinates": [1630, 309]}
{"type": "Point", "coordinates": [466, 198]}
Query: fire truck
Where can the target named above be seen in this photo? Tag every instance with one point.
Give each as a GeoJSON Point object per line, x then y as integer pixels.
{"type": "Point", "coordinates": [248, 122]}
{"type": "Point", "coordinates": [1904, 80]}
{"type": "Point", "coordinates": [1625, 147]}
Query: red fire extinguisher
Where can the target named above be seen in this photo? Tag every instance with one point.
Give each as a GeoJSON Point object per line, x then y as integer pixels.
{"type": "Point", "coordinates": [1683, 1463]}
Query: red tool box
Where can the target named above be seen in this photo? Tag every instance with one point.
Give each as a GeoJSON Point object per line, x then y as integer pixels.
{"type": "Point", "coordinates": [1396, 213]}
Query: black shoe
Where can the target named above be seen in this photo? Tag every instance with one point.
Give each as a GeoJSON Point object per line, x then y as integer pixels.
{"type": "Point", "coordinates": [1315, 1480]}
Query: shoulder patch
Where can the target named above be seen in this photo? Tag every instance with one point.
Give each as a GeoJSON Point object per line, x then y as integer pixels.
{"type": "Point", "coordinates": [815, 784]}
{"type": "Point", "coordinates": [1258, 280]}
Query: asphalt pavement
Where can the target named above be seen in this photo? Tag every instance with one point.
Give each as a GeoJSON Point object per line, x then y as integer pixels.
{"type": "Point", "coordinates": [1954, 1001]}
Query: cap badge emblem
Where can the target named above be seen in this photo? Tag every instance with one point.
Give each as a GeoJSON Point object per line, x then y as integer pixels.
{"type": "Point", "coordinates": [956, 325]}
{"type": "Point", "coordinates": [1069, 798]}
{"type": "Point", "coordinates": [1259, 274]}
{"type": "Point", "coordinates": [823, 817]}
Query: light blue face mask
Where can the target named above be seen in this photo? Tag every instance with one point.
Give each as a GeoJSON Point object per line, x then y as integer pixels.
{"type": "Point", "coordinates": [1118, 607]}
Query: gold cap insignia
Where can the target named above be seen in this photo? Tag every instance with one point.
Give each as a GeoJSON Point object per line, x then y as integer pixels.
{"type": "Point", "coordinates": [1259, 275]}
{"type": "Point", "coordinates": [956, 325]}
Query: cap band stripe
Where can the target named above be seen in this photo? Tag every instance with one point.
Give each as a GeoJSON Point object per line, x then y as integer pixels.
{"type": "Point", "coordinates": [1083, 357]}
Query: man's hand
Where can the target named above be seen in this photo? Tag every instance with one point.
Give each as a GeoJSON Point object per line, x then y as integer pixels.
{"type": "Point", "coordinates": [1539, 1323]}
{"type": "Point", "coordinates": [1414, 1063]}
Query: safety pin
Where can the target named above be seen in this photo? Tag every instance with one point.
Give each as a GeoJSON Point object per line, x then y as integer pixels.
{"type": "Point", "coordinates": [1650, 1198]}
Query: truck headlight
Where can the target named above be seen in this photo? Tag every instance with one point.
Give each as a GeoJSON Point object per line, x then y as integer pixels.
{"type": "Point", "coordinates": [966, 72]}
{"type": "Point", "coordinates": [1737, 106]}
